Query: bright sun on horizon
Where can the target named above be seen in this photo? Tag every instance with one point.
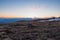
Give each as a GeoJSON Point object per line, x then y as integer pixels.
{"type": "Point", "coordinates": [29, 8]}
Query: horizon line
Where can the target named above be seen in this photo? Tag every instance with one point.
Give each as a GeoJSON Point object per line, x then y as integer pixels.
{"type": "Point", "coordinates": [32, 17]}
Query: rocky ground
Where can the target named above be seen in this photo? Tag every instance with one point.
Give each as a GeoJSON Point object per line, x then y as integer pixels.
{"type": "Point", "coordinates": [33, 30]}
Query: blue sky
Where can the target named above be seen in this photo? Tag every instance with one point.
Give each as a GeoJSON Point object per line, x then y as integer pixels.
{"type": "Point", "coordinates": [29, 8]}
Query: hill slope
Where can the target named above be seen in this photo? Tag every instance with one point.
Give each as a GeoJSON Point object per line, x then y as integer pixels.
{"type": "Point", "coordinates": [30, 30]}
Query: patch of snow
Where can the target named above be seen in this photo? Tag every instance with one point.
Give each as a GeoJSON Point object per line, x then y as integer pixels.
{"type": "Point", "coordinates": [56, 19]}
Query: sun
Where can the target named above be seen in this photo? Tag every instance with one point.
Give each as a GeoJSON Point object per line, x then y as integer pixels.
{"type": "Point", "coordinates": [32, 15]}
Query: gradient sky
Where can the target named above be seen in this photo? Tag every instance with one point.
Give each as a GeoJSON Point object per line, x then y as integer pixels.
{"type": "Point", "coordinates": [29, 8]}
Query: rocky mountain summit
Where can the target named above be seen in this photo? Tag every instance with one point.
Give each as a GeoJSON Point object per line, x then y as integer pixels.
{"type": "Point", "coordinates": [30, 30]}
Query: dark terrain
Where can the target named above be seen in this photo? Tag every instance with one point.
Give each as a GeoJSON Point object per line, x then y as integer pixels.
{"type": "Point", "coordinates": [30, 30]}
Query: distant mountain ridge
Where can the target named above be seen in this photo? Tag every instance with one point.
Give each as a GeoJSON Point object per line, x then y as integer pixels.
{"type": "Point", "coordinates": [9, 20]}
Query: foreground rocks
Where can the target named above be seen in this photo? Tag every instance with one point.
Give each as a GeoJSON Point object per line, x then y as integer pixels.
{"type": "Point", "coordinates": [30, 31]}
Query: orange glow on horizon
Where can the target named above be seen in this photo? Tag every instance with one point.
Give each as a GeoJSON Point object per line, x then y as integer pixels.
{"type": "Point", "coordinates": [11, 17]}
{"type": "Point", "coordinates": [27, 17]}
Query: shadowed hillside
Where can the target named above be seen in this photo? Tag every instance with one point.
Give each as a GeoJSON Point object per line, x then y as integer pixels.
{"type": "Point", "coordinates": [31, 30]}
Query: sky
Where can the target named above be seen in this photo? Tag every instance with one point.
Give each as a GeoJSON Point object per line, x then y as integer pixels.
{"type": "Point", "coordinates": [29, 8]}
